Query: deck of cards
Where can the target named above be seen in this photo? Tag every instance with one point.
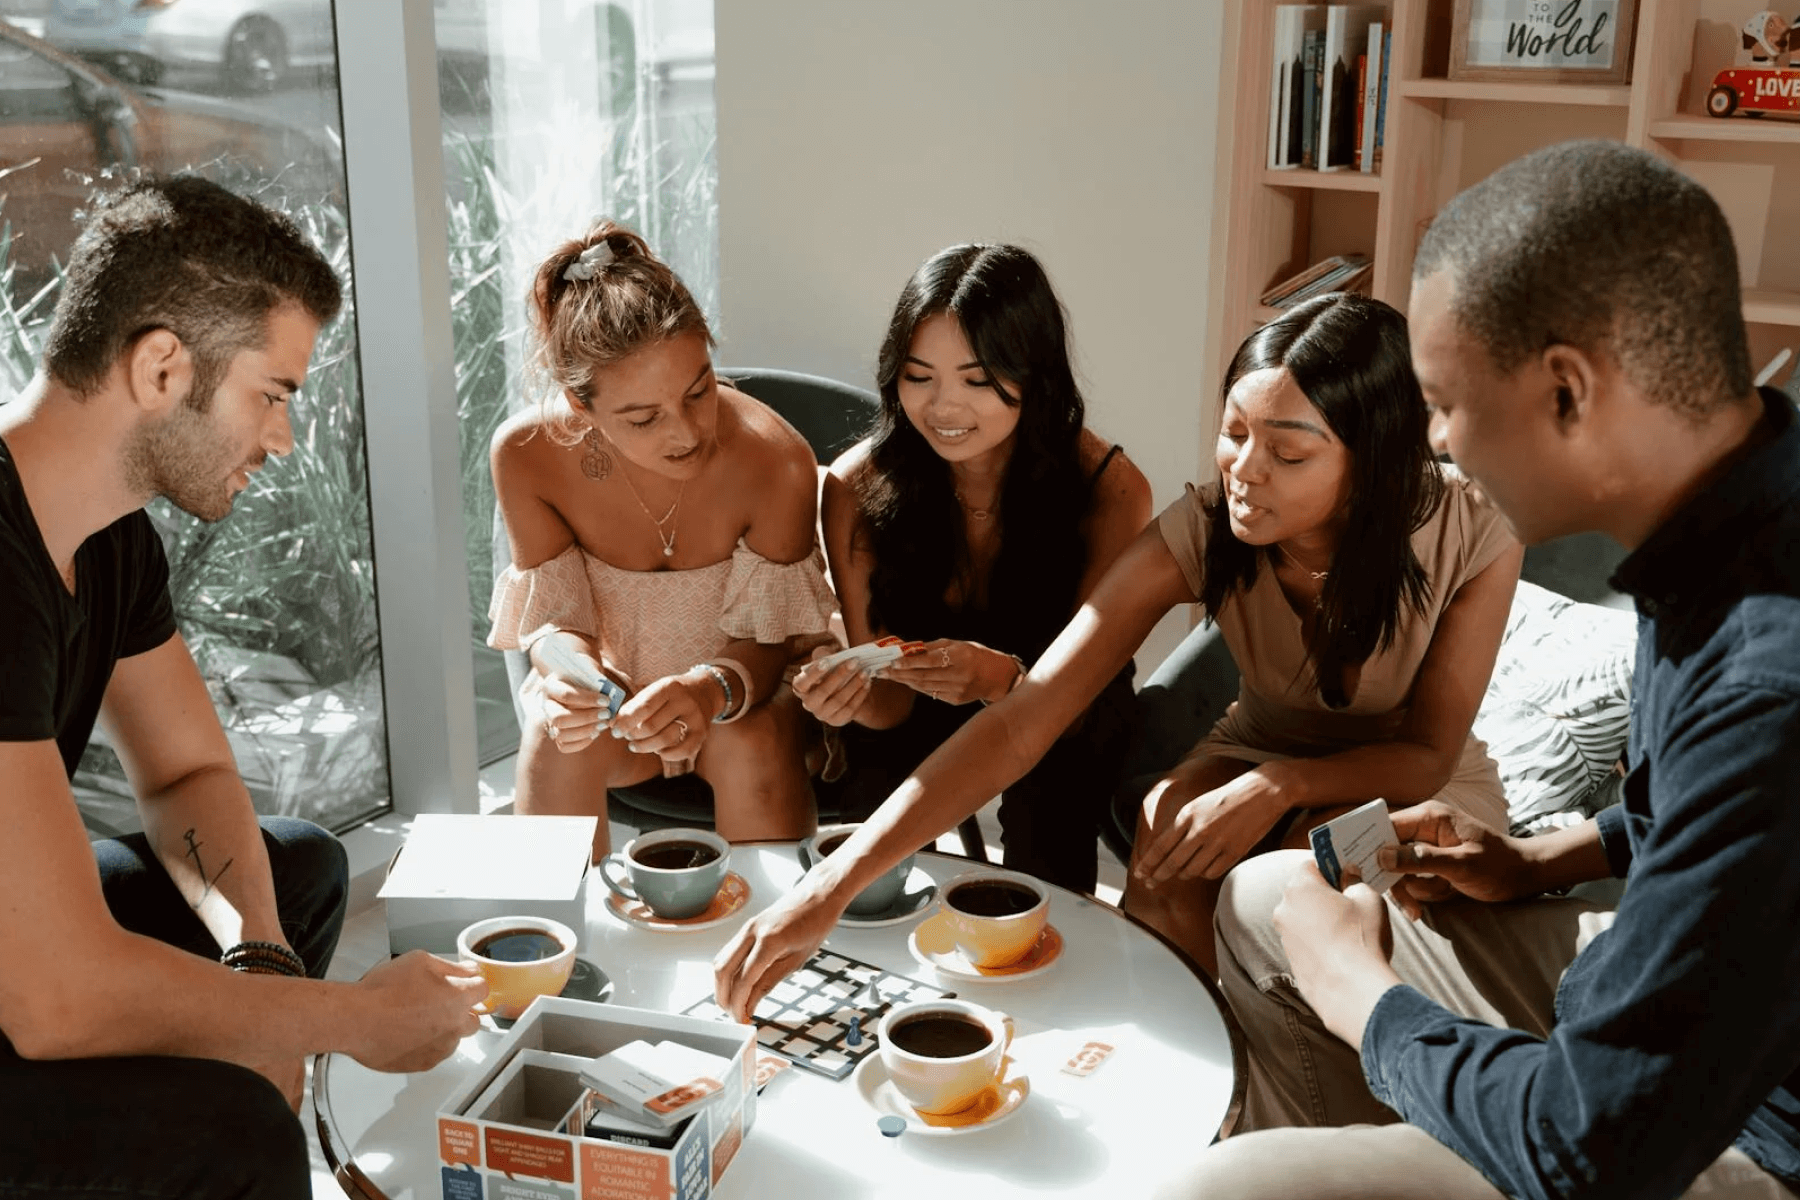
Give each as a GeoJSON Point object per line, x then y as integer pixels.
{"type": "Point", "coordinates": [872, 656]}
{"type": "Point", "coordinates": [1354, 840]}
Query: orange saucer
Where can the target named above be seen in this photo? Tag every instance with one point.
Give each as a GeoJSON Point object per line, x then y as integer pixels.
{"type": "Point", "coordinates": [998, 1102]}
{"type": "Point", "coordinates": [730, 899]}
{"type": "Point", "coordinates": [933, 945]}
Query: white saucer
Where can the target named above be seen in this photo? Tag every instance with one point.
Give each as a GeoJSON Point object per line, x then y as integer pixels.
{"type": "Point", "coordinates": [996, 1105]}
{"type": "Point", "coordinates": [732, 896]}
{"type": "Point", "coordinates": [915, 897]}
{"type": "Point", "coordinates": [932, 944]}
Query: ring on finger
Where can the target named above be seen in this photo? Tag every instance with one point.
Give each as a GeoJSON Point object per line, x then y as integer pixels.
{"type": "Point", "coordinates": [943, 656]}
{"type": "Point", "coordinates": [683, 727]}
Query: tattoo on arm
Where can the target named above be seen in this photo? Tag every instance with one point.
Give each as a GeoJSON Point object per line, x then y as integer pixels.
{"type": "Point", "coordinates": [193, 852]}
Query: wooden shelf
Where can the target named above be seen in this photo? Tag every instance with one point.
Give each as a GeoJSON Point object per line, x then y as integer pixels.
{"type": "Point", "coordinates": [1603, 96]}
{"type": "Point", "coordinates": [1726, 129]}
{"type": "Point", "coordinates": [1771, 306]}
{"type": "Point", "coordinates": [1345, 180]}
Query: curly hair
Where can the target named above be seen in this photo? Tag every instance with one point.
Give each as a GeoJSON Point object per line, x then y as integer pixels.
{"type": "Point", "coordinates": [1597, 245]}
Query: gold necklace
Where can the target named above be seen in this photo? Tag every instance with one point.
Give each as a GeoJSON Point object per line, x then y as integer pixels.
{"type": "Point", "coordinates": [980, 514]}
{"type": "Point", "coordinates": [668, 542]}
{"type": "Point", "coordinates": [1299, 566]}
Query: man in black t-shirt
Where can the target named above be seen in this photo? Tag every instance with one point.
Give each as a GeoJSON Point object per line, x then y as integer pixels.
{"type": "Point", "coordinates": [155, 1015]}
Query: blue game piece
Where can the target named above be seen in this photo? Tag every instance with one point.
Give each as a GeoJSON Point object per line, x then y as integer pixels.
{"type": "Point", "coordinates": [891, 1126]}
{"type": "Point", "coordinates": [853, 1036]}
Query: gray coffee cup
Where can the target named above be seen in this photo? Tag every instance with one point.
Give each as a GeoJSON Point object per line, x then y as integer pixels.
{"type": "Point", "coordinates": [677, 872]}
{"type": "Point", "coordinates": [879, 896]}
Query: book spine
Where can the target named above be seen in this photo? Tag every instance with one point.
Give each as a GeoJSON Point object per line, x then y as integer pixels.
{"type": "Point", "coordinates": [1387, 53]}
{"type": "Point", "coordinates": [1330, 86]}
{"type": "Point", "coordinates": [1362, 82]}
{"type": "Point", "coordinates": [1277, 85]}
{"type": "Point", "coordinates": [1371, 86]}
{"type": "Point", "coordinates": [1310, 63]}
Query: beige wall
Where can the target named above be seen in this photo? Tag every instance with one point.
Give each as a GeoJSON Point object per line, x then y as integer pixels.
{"type": "Point", "coordinates": [856, 137]}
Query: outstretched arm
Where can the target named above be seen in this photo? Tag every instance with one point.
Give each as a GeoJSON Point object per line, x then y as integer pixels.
{"type": "Point", "coordinates": [991, 751]}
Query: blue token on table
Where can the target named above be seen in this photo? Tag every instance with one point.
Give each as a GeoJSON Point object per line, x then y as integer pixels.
{"type": "Point", "coordinates": [854, 1035]}
{"type": "Point", "coordinates": [892, 1126]}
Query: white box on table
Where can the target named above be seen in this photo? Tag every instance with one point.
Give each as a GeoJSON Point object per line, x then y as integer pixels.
{"type": "Point", "coordinates": [455, 870]}
{"type": "Point", "coordinates": [497, 1135]}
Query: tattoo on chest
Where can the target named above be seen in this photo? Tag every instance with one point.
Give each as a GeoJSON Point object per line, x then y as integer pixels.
{"type": "Point", "coordinates": [193, 852]}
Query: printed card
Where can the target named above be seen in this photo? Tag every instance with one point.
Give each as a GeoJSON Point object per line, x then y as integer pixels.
{"type": "Point", "coordinates": [1353, 840]}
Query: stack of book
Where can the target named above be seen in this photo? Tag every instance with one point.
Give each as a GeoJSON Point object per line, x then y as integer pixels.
{"type": "Point", "coordinates": [1340, 273]}
{"type": "Point", "coordinates": [1328, 99]}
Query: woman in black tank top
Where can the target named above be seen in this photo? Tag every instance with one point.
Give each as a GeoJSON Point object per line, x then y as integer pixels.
{"type": "Point", "coordinates": [974, 519]}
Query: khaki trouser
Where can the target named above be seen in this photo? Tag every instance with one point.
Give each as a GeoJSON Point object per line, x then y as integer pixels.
{"type": "Point", "coordinates": [1318, 1132]}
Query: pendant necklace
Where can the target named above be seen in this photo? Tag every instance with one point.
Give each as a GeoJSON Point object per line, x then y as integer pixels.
{"type": "Point", "coordinates": [1299, 566]}
{"type": "Point", "coordinates": [667, 540]}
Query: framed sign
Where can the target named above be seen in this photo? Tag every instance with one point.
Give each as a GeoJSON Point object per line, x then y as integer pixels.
{"type": "Point", "coordinates": [1547, 41]}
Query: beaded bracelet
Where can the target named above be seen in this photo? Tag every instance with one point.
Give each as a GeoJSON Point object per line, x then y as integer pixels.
{"type": "Point", "coordinates": [264, 958]}
{"type": "Point", "coordinates": [719, 677]}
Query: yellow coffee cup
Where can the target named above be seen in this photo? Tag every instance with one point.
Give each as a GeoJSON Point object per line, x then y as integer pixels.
{"type": "Point", "coordinates": [995, 917]}
{"type": "Point", "coordinates": [521, 958]}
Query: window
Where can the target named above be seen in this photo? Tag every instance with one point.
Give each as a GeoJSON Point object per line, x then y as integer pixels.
{"type": "Point", "coordinates": [554, 112]}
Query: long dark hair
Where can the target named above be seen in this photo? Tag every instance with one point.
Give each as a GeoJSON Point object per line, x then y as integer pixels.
{"type": "Point", "coordinates": [1015, 327]}
{"type": "Point", "coordinates": [1349, 355]}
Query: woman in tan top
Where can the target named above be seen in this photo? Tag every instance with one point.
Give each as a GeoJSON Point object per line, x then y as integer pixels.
{"type": "Point", "coordinates": [662, 532]}
{"type": "Point", "coordinates": [1364, 589]}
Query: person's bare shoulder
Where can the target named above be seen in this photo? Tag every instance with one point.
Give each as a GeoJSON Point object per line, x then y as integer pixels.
{"type": "Point", "coordinates": [854, 464]}
{"type": "Point", "coordinates": [523, 442]}
{"type": "Point", "coordinates": [762, 441]}
{"type": "Point", "coordinates": [1121, 487]}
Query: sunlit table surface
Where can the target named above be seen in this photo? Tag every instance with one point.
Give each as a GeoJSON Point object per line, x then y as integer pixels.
{"type": "Point", "coordinates": [1173, 1081]}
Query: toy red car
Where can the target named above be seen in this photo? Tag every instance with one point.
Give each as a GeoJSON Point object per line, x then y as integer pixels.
{"type": "Point", "coordinates": [1754, 91]}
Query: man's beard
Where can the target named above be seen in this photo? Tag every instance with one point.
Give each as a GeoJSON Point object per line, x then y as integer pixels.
{"type": "Point", "coordinates": [185, 460]}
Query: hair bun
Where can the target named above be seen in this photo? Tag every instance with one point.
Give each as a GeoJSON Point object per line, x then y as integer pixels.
{"type": "Point", "coordinates": [590, 262]}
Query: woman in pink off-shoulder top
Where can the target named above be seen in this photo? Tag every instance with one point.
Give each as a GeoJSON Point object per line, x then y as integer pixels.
{"type": "Point", "coordinates": [662, 529]}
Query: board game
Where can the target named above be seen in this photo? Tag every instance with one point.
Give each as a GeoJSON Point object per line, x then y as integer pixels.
{"type": "Point", "coordinates": [807, 1017]}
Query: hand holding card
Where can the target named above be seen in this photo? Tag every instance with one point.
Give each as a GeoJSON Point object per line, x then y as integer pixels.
{"type": "Point", "coordinates": [870, 656]}
{"type": "Point", "coordinates": [1355, 840]}
{"type": "Point", "coordinates": [556, 654]}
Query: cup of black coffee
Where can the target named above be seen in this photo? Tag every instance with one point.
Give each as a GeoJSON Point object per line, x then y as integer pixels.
{"type": "Point", "coordinates": [521, 958]}
{"type": "Point", "coordinates": [995, 917]}
{"type": "Point", "coordinates": [874, 900]}
{"type": "Point", "coordinates": [676, 872]}
{"type": "Point", "coordinates": [943, 1054]}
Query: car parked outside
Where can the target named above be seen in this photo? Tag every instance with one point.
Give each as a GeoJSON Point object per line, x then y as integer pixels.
{"type": "Point", "coordinates": [245, 45]}
{"type": "Point", "coordinates": [64, 123]}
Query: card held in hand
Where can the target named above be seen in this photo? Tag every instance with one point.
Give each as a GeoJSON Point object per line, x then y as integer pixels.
{"type": "Point", "coordinates": [1354, 840]}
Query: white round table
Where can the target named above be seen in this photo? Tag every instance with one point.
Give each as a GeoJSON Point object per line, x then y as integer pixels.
{"type": "Point", "coordinates": [1174, 1080]}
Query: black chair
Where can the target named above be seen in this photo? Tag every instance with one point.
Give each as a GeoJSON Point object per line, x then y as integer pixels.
{"type": "Point", "coordinates": [1194, 685]}
{"type": "Point", "coordinates": [832, 417]}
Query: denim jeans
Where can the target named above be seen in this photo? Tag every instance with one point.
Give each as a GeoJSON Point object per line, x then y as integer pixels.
{"type": "Point", "coordinates": [167, 1127]}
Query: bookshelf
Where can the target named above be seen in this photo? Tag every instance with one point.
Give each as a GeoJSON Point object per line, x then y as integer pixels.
{"type": "Point", "coordinates": [1443, 135]}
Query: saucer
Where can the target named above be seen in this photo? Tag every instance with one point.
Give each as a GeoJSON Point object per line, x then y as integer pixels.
{"type": "Point", "coordinates": [586, 982]}
{"type": "Point", "coordinates": [917, 894]}
{"type": "Point", "coordinates": [932, 944]}
{"type": "Point", "coordinates": [996, 1104]}
{"type": "Point", "coordinates": [733, 894]}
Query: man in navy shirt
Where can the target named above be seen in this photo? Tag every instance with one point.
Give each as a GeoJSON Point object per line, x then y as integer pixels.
{"type": "Point", "coordinates": [1577, 327]}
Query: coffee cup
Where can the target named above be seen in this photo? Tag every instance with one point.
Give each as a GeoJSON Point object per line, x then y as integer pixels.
{"type": "Point", "coordinates": [521, 958]}
{"type": "Point", "coordinates": [943, 1054]}
{"type": "Point", "coordinates": [995, 917]}
{"type": "Point", "coordinates": [879, 896]}
{"type": "Point", "coordinates": [676, 872]}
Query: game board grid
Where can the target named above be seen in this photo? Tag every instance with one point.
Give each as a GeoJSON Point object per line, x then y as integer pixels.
{"type": "Point", "coordinates": [806, 1017]}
